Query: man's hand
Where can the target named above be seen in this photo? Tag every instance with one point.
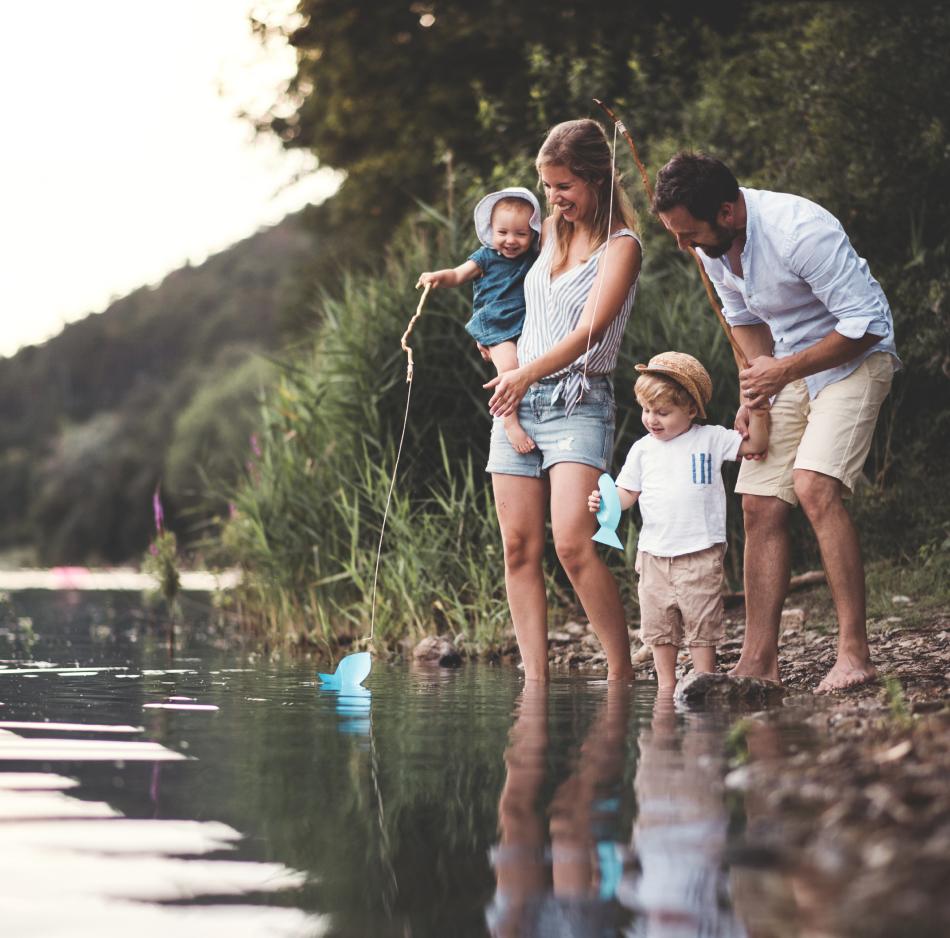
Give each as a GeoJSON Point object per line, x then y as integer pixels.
{"type": "Point", "coordinates": [593, 502]}
{"type": "Point", "coordinates": [764, 378]}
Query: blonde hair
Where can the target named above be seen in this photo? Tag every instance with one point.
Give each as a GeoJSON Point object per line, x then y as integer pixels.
{"type": "Point", "coordinates": [655, 389]}
{"type": "Point", "coordinates": [581, 147]}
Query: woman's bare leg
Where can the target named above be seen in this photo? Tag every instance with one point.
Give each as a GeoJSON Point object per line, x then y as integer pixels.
{"type": "Point", "coordinates": [505, 358]}
{"type": "Point", "coordinates": [521, 506]}
{"type": "Point", "coordinates": [595, 585]}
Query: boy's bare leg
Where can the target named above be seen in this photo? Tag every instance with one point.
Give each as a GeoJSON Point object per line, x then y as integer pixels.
{"type": "Point", "coordinates": [704, 658]}
{"type": "Point", "coordinates": [664, 660]}
{"type": "Point", "coordinates": [505, 358]}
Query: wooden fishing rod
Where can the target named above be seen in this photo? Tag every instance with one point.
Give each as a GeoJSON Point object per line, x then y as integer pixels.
{"type": "Point", "coordinates": [741, 360]}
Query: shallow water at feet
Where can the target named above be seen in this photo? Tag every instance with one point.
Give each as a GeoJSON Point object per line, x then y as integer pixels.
{"type": "Point", "coordinates": [438, 803]}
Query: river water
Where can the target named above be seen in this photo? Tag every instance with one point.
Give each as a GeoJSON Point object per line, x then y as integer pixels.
{"type": "Point", "coordinates": [224, 792]}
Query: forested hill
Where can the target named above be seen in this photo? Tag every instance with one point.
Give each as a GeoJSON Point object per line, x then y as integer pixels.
{"type": "Point", "coordinates": [160, 385]}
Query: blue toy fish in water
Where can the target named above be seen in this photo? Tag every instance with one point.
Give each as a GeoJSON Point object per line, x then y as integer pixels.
{"type": "Point", "coordinates": [350, 672]}
{"type": "Point", "coordinates": [609, 513]}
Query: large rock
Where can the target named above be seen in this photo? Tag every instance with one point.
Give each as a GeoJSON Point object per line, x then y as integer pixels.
{"type": "Point", "coordinates": [703, 689]}
{"type": "Point", "coordinates": [434, 649]}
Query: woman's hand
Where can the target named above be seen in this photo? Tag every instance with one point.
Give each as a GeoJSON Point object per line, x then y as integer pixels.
{"type": "Point", "coordinates": [593, 502]}
{"type": "Point", "coordinates": [510, 387]}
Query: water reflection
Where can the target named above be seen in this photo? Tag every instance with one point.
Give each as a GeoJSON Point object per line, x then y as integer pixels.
{"type": "Point", "coordinates": [569, 888]}
{"type": "Point", "coordinates": [678, 883]}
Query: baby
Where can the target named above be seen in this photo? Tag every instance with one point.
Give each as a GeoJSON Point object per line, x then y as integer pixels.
{"type": "Point", "coordinates": [675, 474]}
{"type": "Point", "coordinates": [508, 224]}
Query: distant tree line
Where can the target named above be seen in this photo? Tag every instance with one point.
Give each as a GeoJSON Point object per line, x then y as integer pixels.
{"type": "Point", "coordinates": [161, 388]}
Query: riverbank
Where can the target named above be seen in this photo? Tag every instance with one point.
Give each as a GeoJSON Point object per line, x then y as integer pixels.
{"type": "Point", "coordinates": [854, 825]}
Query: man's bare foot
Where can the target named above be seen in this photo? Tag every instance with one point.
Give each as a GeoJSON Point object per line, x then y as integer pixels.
{"type": "Point", "coordinates": [516, 435]}
{"type": "Point", "coordinates": [847, 672]}
{"type": "Point", "coordinates": [748, 667]}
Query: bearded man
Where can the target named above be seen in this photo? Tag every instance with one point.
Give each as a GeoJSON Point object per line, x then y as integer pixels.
{"type": "Point", "coordinates": [817, 331]}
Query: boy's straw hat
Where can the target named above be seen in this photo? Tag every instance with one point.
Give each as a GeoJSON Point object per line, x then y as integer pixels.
{"type": "Point", "coordinates": [484, 209]}
{"type": "Point", "coordinates": [686, 371]}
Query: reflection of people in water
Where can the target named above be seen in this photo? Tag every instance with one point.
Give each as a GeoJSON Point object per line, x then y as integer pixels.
{"type": "Point", "coordinates": [584, 865]}
{"type": "Point", "coordinates": [679, 886]}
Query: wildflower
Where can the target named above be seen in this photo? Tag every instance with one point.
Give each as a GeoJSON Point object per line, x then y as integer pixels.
{"type": "Point", "coordinates": [157, 510]}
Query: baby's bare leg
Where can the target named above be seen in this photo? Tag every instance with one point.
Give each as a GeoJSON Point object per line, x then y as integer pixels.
{"type": "Point", "coordinates": [505, 358]}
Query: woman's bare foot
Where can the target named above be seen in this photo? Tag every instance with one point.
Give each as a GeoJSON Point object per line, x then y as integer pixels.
{"type": "Point", "coordinates": [516, 435]}
{"type": "Point", "coordinates": [847, 672]}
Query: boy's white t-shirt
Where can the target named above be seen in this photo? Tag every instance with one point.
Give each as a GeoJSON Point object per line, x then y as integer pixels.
{"type": "Point", "coordinates": [682, 498]}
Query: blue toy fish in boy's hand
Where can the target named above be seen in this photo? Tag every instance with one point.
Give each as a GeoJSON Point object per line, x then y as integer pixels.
{"type": "Point", "coordinates": [609, 513]}
{"type": "Point", "coordinates": [350, 672]}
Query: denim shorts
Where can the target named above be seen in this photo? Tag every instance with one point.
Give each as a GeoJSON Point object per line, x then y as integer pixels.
{"type": "Point", "coordinates": [587, 436]}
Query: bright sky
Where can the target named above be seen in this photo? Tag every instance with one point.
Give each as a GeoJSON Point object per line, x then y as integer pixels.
{"type": "Point", "coordinates": [123, 156]}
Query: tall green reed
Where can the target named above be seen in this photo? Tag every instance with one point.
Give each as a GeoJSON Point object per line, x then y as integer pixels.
{"type": "Point", "coordinates": [307, 515]}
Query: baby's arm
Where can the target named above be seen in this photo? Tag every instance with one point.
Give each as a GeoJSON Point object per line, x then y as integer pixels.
{"type": "Point", "coordinates": [451, 276]}
{"type": "Point", "coordinates": [757, 441]}
{"type": "Point", "coordinates": [627, 498]}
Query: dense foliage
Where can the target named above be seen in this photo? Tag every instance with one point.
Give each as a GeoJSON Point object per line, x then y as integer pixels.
{"type": "Point", "coordinates": [846, 103]}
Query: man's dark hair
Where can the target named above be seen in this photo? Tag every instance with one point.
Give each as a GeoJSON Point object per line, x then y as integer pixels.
{"type": "Point", "coordinates": [696, 181]}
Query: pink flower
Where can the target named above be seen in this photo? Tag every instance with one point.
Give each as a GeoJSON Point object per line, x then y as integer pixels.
{"type": "Point", "coordinates": [157, 510]}
{"type": "Point", "coordinates": [255, 446]}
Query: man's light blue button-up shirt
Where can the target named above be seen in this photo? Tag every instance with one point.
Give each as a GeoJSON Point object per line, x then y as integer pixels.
{"type": "Point", "coordinates": [802, 278]}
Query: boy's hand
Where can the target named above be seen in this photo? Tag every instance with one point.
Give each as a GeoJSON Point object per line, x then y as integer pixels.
{"type": "Point", "coordinates": [593, 502]}
{"type": "Point", "coordinates": [742, 425]}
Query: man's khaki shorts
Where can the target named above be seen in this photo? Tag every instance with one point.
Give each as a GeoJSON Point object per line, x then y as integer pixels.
{"type": "Point", "coordinates": [681, 598]}
{"type": "Point", "coordinates": [830, 434]}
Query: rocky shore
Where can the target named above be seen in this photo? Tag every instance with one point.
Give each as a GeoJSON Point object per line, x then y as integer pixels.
{"type": "Point", "coordinates": [848, 831]}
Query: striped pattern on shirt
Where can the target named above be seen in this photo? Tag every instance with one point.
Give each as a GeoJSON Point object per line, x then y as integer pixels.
{"type": "Point", "coordinates": [553, 310]}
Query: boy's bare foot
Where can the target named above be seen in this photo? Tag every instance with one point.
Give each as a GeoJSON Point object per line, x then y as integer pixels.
{"type": "Point", "coordinates": [516, 435]}
{"type": "Point", "coordinates": [847, 672]}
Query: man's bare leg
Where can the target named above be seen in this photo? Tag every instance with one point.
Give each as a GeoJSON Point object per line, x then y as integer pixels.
{"type": "Point", "coordinates": [504, 357]}
{"type": "Point", "coordinates": [767, 571]}
{"type": "Point", "coordinates": [822, 502]}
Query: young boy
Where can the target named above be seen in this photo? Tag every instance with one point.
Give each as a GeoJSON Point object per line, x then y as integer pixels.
{"type": "Point", "coordinates": [675, 474]}
{"type": "Point", "coordinates": [508, 224]}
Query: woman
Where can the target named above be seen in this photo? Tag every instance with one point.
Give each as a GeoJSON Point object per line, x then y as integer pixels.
{"type": "Point", "coordinates": [578, 296]}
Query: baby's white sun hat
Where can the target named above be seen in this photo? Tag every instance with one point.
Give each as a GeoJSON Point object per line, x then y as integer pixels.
{"type": "Point", "coordinates": [484, 209]}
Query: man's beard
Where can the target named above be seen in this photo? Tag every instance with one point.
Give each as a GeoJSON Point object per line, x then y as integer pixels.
{"type": "Point", "coordinates": [724, 240]}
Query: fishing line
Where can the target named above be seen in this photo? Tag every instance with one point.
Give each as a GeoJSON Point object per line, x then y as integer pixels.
{"type": "Point", "coordinates": [602, 274]}
{"type": "Point", "coordinates": [402, 436]}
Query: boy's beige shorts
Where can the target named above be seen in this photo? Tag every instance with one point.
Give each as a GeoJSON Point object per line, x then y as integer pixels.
{"type": "Point", "coordinates": [830, 434]}
{"type": "Point", "coordinates": [681, 597]}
